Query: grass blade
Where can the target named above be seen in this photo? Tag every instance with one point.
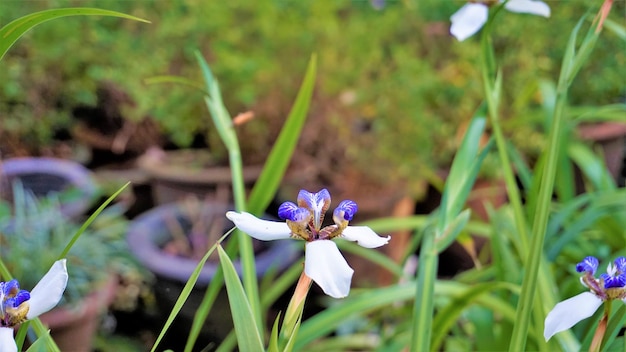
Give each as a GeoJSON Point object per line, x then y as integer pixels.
{"type": "Point", "coordinates": [248, 337]}
{"type": "Point", "coordinates": [10, 33]}
{"type": "Point", "coordinates": [191, 282]}
{"type": "Point", "coordinates": [90, 220]}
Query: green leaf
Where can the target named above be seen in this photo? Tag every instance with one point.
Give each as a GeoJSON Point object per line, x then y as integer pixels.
{"type": "Point", "coordinates": [463, 171]}
{"type": "Point", "coordinates": [273, 343]}
{"type": "Point", "coordinates": [245, 327]}
{"type": "Point", "coordinates": [221, 118]}
{"type": "Point", "coordinates": [191, 282]}
{"type": "Point", "coordinates": [424, 306]}
{"type": "Point", "coordinates": [452, 230]}
{"type": "Point", "coordinates": [366, 301]}
{"type": "Point", "coordinates": [610, 112]}
{"type": "Point", "coordinates": [223, 123]}
{"type": "Point", "coordinates": [89, 220]}
{"type": "Point", "coordinates": [592, 166]}
{"type": "Point", "coordinates": [10, 33]}
{"type": "Point", "coordinates": [535, 280]}
{"type": "Point", "coordinates": [276, 164]}
{"type": "Point", "coordinates": [449, 314]}
{"type": "Point", "coordinates": [40, 344]}
{"type": "Point", "coordinates": [524, 173]}
{"type": "Point", "coordinates": [616, 28]}
{"type": "Point", "coordinates": [376, 257]}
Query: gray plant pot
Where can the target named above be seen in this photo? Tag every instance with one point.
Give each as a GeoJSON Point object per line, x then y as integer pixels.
{"type": "Point", "coordinates": [43, 176]}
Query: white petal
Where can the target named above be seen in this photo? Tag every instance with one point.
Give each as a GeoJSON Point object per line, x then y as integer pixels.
{"type": "Point", "coordinates": [468, 20]}
{"type": "Point", "coordinates": [263, 230]}
{"type": "Point", "coordinates": [364, 236]}
{"type": "Point", "coordinates": [49, 290]}
{"type": "Point", "coordinates": [532, 7]}
{"type": "Point", "coordinates": [7, 342]}
{"type": "Point", "coordinates": [326, 266]}
{"type": "Point", "coordinates": [569, 312]}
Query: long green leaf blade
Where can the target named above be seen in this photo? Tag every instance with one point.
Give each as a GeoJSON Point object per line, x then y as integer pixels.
{"type": "Point", "coordinates": [243, 318]}
{"type": "Point", "coordinates": [10, 33]}
{"type": "Point", "coordinates": [89, 220]}
{"type": "Point", "coordinates": [182, 298]}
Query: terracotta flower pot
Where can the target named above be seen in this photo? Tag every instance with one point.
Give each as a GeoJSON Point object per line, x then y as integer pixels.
{"type": "Point", "coordinates": [73, 327]}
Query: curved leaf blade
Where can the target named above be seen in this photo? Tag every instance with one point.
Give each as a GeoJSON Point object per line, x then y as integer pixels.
{"type": "Point", "coordinates": [247, 332]}
{"type": "Point", "coordinates": [10, 33]}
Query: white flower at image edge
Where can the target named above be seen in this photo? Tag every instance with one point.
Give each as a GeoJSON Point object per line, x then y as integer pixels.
{"type": "Point", "coordinates": [470, 18]}
{"type": "Point", "coordinates": [610, 286]}
{"type": "Point", "coordinates": [17, 306]}
{"type": "Point", "coordinates": [323, 261]}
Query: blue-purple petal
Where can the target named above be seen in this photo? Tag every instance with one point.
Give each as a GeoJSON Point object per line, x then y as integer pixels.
{"type": "Point", "coordinates": [286, 210]}
{"type": "Point", "coordinates": [588, 265]}
{"type": "Point", "coordinates": [11, 287]}
{"type": "Point", "coordinates": [620, 263]}
{"type": "Point", "coordinates": [312, 200]}
{"type": "Point", "coordinates": [348, 208]}
{"type": "Point", "coordinates": [617, 281]}
{"type": "Point", "coordinates": [21, 297]}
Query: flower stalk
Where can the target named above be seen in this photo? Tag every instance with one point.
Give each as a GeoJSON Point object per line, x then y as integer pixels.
{"type": "Point", "coordinates": [296, 306]}
{"type": "Point", "coordinates": [598, 336]}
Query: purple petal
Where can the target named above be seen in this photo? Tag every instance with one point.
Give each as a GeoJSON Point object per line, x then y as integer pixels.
{"type": "Point", "coordinates": [317, 203]}
{"type": "Point", "coordinates": [314, 200]}
{"type": "Point", "coordinates": [286, 210]}
{"type": "Point", "coordinates": [620, 263]}
{"type": "Point", "coordinates": [21, 297]}
{"type": "Point", "coordinates": [11, 288]}
{"type": "Point", "coordinates": [613, 281]}
{"type": "Point", "coordinates": [588, 265]}
{"type": "Point", "coordinates": [290, 211]}
{"type": "Point", "coordinates": [346, 210]}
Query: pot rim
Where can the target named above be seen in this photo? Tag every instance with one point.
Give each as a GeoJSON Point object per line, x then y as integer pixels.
{"type": "Point", "coordinates": [155, 163]}
{"type": "Point", "coordinates": [76, 175]}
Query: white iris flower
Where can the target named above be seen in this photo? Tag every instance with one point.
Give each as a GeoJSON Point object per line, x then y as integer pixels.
{"type": "Point", "coordinates": [323, 262]}
{"type": "Point", "coordinates": [17, 306]}
{"type": "Point", "coordinates": [610, 286]}
{"type": "Point", "coordinates": [470, 18]}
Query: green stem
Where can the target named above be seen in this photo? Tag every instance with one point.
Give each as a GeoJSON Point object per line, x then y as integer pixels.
{"type": "Point", "coordinates": [542, 212]}
{"type": "Point", "coordinates": [423, 308]}
{"type": "Point", "coordinates": [246, 251]}
{"type": "Point", "coordinates": [492, 94]}
{"type": "Point", "coordinates": [572, 63]}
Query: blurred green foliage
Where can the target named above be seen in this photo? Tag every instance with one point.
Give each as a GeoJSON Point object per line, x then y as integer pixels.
{"type": "Point", "coordinates": [34, 232]}
{"type": "Point", "coordinates": [394, 88]}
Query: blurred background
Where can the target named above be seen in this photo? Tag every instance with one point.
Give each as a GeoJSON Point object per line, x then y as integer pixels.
{"type": "Point", "coordinates": [394, 94]}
